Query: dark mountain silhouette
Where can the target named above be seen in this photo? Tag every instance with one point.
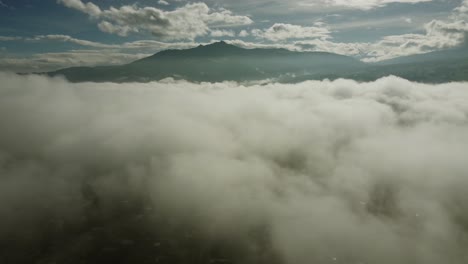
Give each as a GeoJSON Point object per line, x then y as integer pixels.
{"type": "Point", "coordinates": [217, 62]}
{"type": "Point", "coordinates": [221, 61]}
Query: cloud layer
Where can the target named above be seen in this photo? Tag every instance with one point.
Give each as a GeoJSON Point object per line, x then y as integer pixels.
{"type": "Point", "coordinates": [329, 172]}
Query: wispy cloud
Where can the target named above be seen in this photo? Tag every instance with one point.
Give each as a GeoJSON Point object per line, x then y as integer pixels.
{"type": "Point", "coordinates": [43, 62]}
{"type": "Point", "coordinates": [162, 2]}
{"type": "Point", "coordinates": [222, 33]}
{"type": "Point", "coordinates": [358, 4]}
{"type": "Point", "coordinates": [280, 31]}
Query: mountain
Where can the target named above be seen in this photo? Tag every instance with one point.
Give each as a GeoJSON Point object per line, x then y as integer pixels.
{"type": "Point", "coordinates": [432, 67]}
{"type": "Point", "coordinates": [452, 54]}
{"type": "Point", "coordinates": [218, 62]}
{"type": "Point", "coordinates": [221, 61]}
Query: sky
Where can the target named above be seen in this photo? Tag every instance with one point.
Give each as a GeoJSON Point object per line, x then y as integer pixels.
{"type": "Point", "coordinates": [41, 35]}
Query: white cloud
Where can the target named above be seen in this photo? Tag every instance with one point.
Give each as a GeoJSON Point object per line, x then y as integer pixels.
{"type": "Point", "coordinates": [9, 38]}
{"type": "Point", "coordinates": [162, 2]}
{"type": "Point", "coordinates": [100, 54]}
{"type": "Point", "coordinates": [222, 33]}
{"type": "Point", "coordinates": [463, 8]}
{"type": "Point", "coordinates": [225, 18]}
{"type": "Point", "coordinates": [186, 22]}
{"type": "Point", "coordinates": [375, 23]}
{"type": "Point", "coordinates": [439, 34]}
{"type": "Point", "coordinates": [357, 4]}
{"type": "Point", "coordinates": [66, 38]}
{"type": "Point", "coordinates": [280, 31]}
{"type": "Point", "coordinates": [154, 45]}
{"type": "Point", "coordinates": [244, 33]}
{"type": "Point", "coordinates": [43, 62]}
{"type": "Point", "coordinates": [316, 172]}
{"type": "Point", "coordinates": [61, 38]}
{"type": "Point", "coordinates": [351, 49]}
{"type": "Point", "coordinates": [88, 8]}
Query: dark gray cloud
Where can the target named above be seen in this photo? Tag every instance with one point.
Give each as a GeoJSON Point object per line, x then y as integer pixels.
{"type": "Point", "coordinates": [330, 172]}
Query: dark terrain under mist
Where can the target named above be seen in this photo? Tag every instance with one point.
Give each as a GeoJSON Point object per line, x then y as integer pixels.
{"type": "Point", "coordinates": [178, 172]}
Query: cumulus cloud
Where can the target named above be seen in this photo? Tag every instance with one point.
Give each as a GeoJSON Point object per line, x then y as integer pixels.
{"type": "Point", "coordinates": [438, 35]}
{"type": "Point", "coordinates": [280, 31]}
{"type": "Point", "coordinates": [244, 33]}
{"type": "Point", "coordinates": [186, 22]}
{"type": "Point", "coordinates": [463, 8]}
{"type": "Point", "coordinates": [316, 172]}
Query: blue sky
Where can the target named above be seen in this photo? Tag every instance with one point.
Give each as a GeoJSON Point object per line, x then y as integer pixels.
{"type": "Point", "coordinates": [49, 34]}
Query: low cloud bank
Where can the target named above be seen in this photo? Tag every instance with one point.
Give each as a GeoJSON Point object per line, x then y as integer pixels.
{"type": "Point", "coordinates": [316, 172]}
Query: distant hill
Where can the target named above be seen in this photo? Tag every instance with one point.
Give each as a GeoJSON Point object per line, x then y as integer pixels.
{"type": "Point", "coordinates": [435, 56]}
{"type": "Point", "coordinates": [224, 62]}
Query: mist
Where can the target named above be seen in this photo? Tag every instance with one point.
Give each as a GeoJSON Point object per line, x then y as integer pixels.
{"type": "Point", "coordinates": [179, 172]}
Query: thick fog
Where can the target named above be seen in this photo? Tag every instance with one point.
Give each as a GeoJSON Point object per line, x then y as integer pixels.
{"type": "Point", "coordinates": [316, 172]}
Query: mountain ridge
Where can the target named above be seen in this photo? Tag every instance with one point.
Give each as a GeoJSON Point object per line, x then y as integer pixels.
{"type": "Point", "coordinates": [222, 48]}
{"type": "Point", "coordinates": [221, 61]}
{"type": "Point", "coordinates": [218, 61]}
